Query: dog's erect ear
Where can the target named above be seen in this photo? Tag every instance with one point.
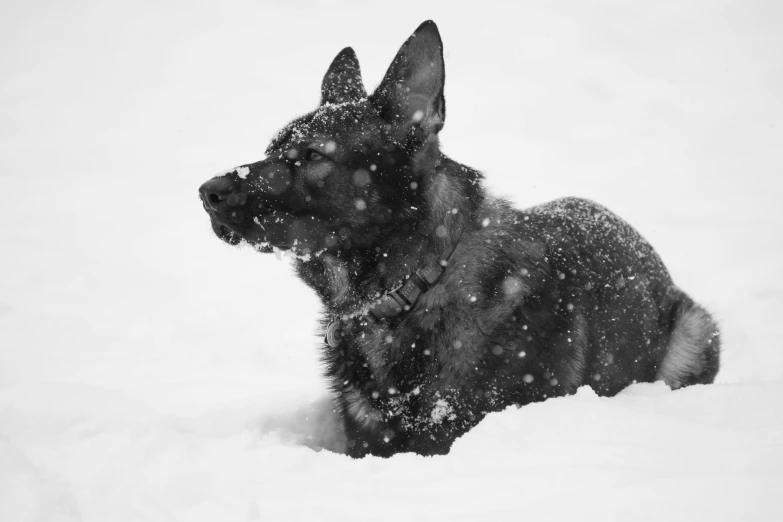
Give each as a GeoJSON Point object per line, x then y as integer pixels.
{"type": "Point", "coordinates": [411, 93]}
{"type": "Point", "coordinates": [343, 81]}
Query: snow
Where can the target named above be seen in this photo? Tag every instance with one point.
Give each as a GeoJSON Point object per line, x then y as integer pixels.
{"type": "Point", "coordinates": [150, 372]}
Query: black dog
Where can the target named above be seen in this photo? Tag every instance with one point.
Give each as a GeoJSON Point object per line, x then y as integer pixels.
{"type": "Point", "coordinates": [442, 303]}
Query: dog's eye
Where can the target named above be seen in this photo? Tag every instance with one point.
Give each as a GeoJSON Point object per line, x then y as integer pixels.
{"type": "Point", "coordinates": [313, 155]}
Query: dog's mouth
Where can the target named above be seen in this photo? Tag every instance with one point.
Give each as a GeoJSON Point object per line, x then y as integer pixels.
{"type": "Point", "coordinates": [301, 233]}
{"type": "Point", "coordinates": [225, 233]}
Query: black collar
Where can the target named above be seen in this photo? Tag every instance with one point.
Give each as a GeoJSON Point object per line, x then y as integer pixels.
{"type": "Point", "coordinates": [399, 300]}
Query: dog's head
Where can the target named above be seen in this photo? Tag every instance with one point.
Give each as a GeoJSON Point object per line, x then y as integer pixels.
{"type": "Point", "coordinates": [339, 176]}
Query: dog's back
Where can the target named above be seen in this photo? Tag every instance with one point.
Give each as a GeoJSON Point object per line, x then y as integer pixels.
{"type": "Point", "coordinates": [636, 325]}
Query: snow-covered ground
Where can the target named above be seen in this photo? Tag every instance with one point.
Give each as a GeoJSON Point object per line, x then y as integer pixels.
{"type": "Point", "coordinates": [150, 372]}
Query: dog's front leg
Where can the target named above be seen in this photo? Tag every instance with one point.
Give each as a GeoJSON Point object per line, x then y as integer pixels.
{"type": "Point", "coordinates": [380, 439]}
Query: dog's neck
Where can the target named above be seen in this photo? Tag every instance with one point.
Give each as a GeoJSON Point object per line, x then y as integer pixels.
{"type": "Point", "coordinates": [348, 282]}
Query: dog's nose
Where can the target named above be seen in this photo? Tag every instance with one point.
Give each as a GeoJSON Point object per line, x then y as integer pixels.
{"type": "Point", "coordinates": [219, 190]}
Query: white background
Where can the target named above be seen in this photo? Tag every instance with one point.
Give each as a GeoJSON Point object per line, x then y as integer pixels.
{"type": "Point", "coordinates": [150, 372]}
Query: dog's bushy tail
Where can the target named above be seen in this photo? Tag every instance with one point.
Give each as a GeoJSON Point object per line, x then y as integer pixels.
{"type": "Point", "coordinates": [693, 354]}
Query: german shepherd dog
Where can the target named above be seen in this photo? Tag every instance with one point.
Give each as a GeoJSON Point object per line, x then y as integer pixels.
{"type": "Point", "coordinates": [442, 303]}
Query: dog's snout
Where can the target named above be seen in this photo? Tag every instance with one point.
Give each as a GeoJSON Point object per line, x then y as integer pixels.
{"type": "Point", "coordinates": [221, 190]}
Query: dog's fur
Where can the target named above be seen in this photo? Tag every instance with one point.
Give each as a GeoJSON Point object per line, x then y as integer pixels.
{"type": "Point", "coordinates": [532, 304]}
